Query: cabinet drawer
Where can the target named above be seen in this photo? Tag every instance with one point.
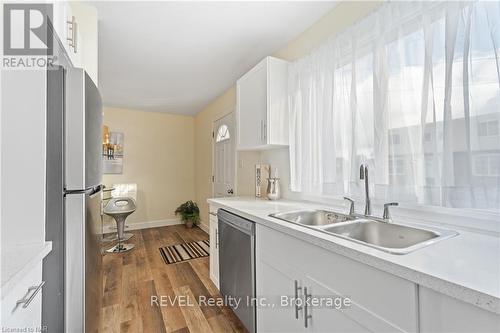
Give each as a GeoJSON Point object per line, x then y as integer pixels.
{"type": "Point", "coordinates": [377, 293]}
{"type": "Point", "coordinates": [15, 316]}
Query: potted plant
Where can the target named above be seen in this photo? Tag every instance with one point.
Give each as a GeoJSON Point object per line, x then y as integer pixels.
{"type": "Point", "coordinates": [189, 212]}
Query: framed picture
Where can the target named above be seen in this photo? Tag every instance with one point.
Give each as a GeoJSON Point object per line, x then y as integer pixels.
{"type": "Point", "coordinates": [112, 153]}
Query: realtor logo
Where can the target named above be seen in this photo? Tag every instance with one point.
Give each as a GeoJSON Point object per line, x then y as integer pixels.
{"type": "Point", "coordinates": [25, 29]}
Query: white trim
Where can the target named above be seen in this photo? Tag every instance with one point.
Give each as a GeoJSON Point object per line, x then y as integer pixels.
{"type": "Point", "coordinates": [142, 225]}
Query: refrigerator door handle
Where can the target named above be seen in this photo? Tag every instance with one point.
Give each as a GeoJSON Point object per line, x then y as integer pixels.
{"type": "Point", "coordinates": [88, 191]}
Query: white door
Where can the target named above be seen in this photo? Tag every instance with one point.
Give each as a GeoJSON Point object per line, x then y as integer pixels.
{"type": "Point", "coordinates": [224, 156]}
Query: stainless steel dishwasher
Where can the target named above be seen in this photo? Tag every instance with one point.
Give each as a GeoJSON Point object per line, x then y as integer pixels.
{"type": "Point", "coordinates": [237, 265]}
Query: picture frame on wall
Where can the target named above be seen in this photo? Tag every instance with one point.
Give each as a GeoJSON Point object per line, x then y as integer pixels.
{"type": "Point", "coordinates": [112, 152]}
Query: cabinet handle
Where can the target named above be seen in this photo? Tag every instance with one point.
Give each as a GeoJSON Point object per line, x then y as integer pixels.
{"type": "Point", "coordinates": [27, 300]}
{"type": "Point", "coordinates": [264, 131]}
{"type": "Point", "coordinates": [297, 306]}
{"type": "Point", "coordinates": [306, 315]}
{"type": "Point", "coordinates": [72, 40]}
{"type": "Point", "coordinates": [216, 238]}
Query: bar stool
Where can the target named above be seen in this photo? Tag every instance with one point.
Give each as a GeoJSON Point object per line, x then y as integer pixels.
{"type": "Point", "coordinates": [119, 209]}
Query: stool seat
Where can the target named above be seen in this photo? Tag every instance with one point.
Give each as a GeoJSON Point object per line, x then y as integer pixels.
{"type": "Point", "coordinates": [120, 205]}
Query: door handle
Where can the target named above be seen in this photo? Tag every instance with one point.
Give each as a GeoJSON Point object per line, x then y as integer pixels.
{"type": "Point", "coordinates": [297, 306]}
{"type": "Point", "coordinates": [307, 316]}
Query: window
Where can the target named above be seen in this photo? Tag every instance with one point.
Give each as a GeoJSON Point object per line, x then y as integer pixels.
{"type": "Point", "coordinates": [488, 128]}
{"type": "Point", "coordinates": [397, 166]}
{"type": "Point", "coordinates": [222, 133]}
{"type": "Point", "coordinates": [413, 95]}
{"type": "Point", "coordinates": [396, 139]}
{"type": "Point", "coordinates": [487, 165]}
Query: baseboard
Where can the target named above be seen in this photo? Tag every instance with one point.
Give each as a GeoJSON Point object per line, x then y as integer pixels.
{"type": "Point", "coordinates": [203, 227]}
{"type": "Point", "coordinates": [143, 225]}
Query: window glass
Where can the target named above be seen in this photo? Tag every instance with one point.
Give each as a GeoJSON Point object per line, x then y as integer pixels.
{"type": "Point", "coordinates": [222, 133]}
{"type": "Point", "coordinates": [416, 99]}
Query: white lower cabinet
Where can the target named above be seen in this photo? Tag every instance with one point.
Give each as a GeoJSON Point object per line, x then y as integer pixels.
{"type": "Point", "coordinates": [214, 248]}
{"type": "Point", "coordinates": [379, 302]}
{"type": "Point", "coordinates": [25, 316]}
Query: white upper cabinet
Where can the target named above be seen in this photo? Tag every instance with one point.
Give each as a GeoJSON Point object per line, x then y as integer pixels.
{"type": "Point", "coordinates": [261, 106]}
{"type": "Point", "coordinates": [76, 26]}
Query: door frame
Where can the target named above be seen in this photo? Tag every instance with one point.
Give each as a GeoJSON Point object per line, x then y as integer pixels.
{"type": "Point", "coordinates": [235, 180]}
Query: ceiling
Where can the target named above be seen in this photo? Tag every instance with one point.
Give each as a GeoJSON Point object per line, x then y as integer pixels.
{"type": "Point", "coordinates": [176, 57]}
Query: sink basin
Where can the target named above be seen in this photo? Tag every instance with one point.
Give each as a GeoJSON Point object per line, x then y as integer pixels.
{"type": "Point", "coordinates": [370, 231]}
{"type": "Point", "coordinates": [313, 217]}
{"type": "Point", "coordinates": [389, 237]}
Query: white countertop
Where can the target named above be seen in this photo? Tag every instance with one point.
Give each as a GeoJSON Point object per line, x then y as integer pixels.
{"type": "Point", "coordinates": [466, 267]}
{"type": "Point", "coordinates": [18, 260]}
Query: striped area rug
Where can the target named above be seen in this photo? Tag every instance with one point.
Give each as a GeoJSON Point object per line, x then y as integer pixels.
{"type": "Point", "coordinates": [181, 252]}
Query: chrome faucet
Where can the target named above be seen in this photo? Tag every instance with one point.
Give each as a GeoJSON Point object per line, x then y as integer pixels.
{"type": "Point", "coordinates": [387, 214]}
{"type": "Point", "coordinates": [351, 205]}
{"type": "Point", "coordinates": [363, 174]}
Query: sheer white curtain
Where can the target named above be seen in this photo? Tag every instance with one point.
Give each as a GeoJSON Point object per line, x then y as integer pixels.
{"type": "Point", "coordinates": [413, 90]}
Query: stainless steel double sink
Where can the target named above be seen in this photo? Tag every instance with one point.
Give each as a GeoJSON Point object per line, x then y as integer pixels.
{"type": "Point", "coordinates": [377, 233]}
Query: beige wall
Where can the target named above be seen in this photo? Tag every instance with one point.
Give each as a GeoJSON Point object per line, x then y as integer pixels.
{"type": "Point", "coordinates": [158, 156]}
{"type": "Point", "coordinates": [344, 14]}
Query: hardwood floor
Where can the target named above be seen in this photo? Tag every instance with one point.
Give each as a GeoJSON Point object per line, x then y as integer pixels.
{"type": "Point", "coordinates": [131, 278]}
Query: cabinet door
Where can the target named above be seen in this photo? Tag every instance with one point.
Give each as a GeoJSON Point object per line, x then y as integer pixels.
{"type": "Point", "coordinates": [442, 313]}
{"type": "Point", "coordinates": [87, 37]}
{"type": "Point", "coordinates": [276, 289]}
{"type": "Point", "coordinates": [26, 315]}
{"type": "Point", "coordinates": [214, 250]}
{"type": "Point", "coordinates": [252, 107]}
{"type": "Point", "coordinates": [69, 16]}
{"type": "Point", "coordinates": [68, 36]}
{"type": "Point", "coordinates": [327, 317]}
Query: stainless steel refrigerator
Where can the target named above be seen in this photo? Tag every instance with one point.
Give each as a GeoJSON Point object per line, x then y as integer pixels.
{"type": "Point", "coordinates": [72, 297]}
